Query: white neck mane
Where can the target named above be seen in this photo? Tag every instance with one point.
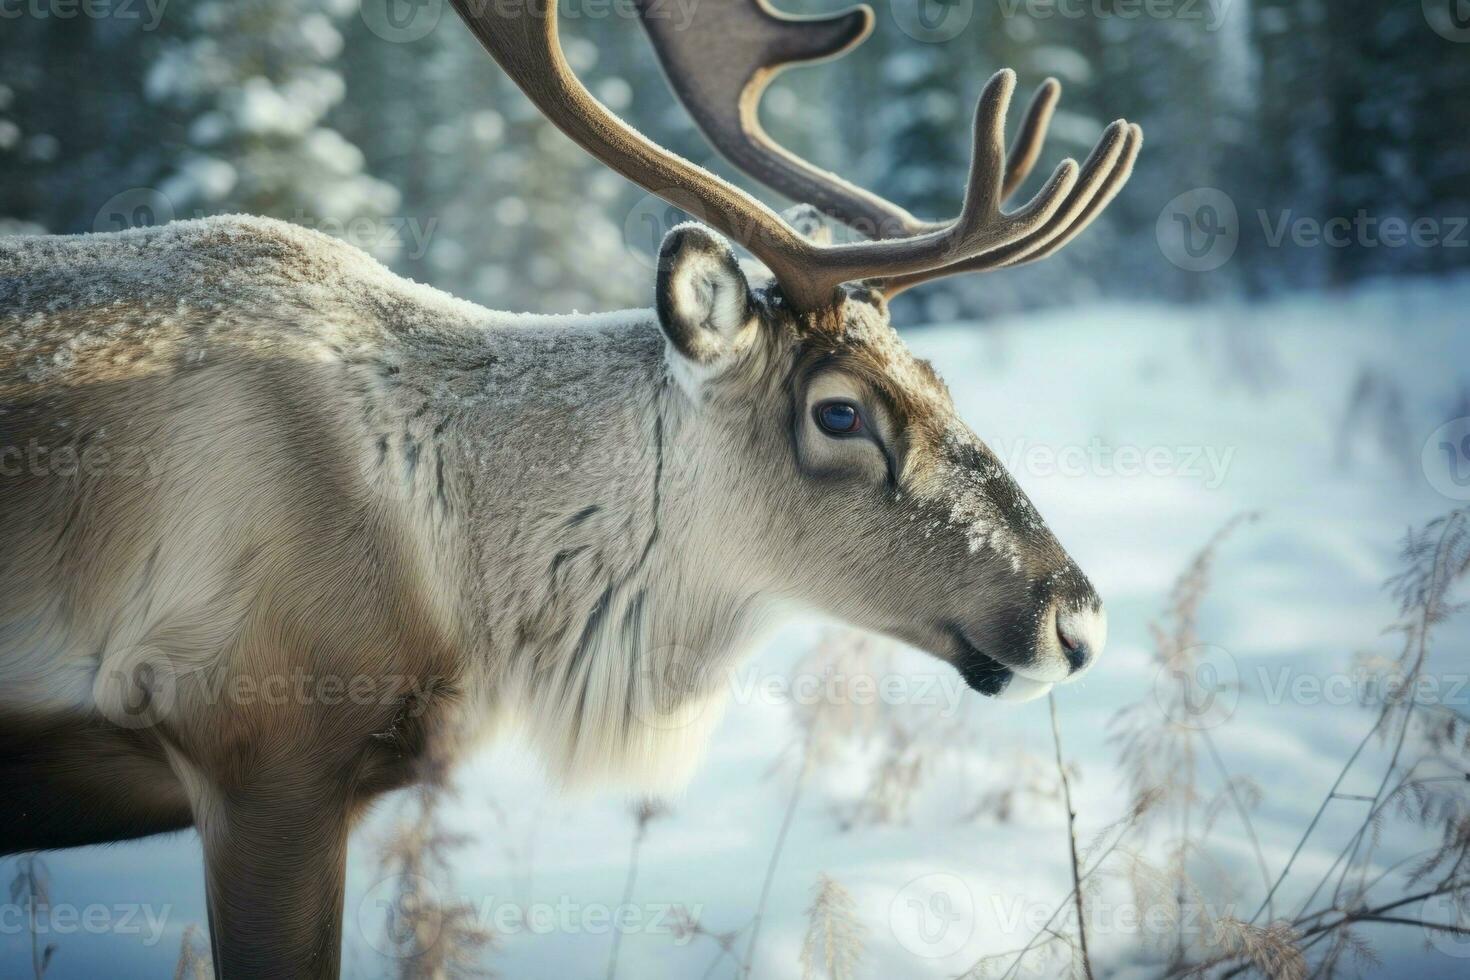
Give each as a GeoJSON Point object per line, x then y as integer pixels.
{"type": "Point", "coordinates": [607, 625]}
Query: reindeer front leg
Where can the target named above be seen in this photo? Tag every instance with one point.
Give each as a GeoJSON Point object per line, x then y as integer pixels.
{"type": "Point", "coordinates": [275, 858]}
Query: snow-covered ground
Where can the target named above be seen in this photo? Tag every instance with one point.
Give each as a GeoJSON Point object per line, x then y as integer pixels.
{"type": "Point", "coordinates": [1138, 430]}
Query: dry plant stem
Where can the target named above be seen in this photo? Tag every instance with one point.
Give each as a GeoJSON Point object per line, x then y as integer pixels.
{"type": "Point", "coordinates": [1421, 642]}
{"type": "Point", "coordinates": [1056, 736]}
{"type": "Point", "coordinates": [1398, 748]}
{"type": "Point", "coordinates": [1322, 930]}
{"type": "Point", "coordinates": [1046, 926]}
{"type": "Point", "coordinates": [191, 965]}
{"type": "Point", "coordinates": [32, 881]}
{"type": "Point", "coordinates": [1450, 885]}
{"type": "Point", "coordinates": [518, 848]}
{"type": "Point", "coordinates": [1347, 850]}
{"type": "Point", "coordinates": [760, 909]}
{"type": "Point", "coordinates": [722, 952]}
{"type": "Point", "coordinates": [1245, 818]}
{"type": "Point", "coordinates": [35, 950]}
{"type": "Point", "coordinates": [1181, 887]}
{"type": "Point", "coordinates": [1316, 818]}
{"type": "Point", "coordinates": [612, 963]}
{"type": "Point", "coordinates": [1343, 910]}
{"type": "Point", "coordinates": [1175, 637]}
{"type": "Point", "coordinates": [719, 958]}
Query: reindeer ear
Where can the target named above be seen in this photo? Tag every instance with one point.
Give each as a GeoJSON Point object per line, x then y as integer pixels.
{"type": "Point", "coordinates": [704, 301]}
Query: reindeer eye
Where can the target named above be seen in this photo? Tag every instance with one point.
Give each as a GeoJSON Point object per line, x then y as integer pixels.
{"type": "Point", "coordinates": [839, 418]}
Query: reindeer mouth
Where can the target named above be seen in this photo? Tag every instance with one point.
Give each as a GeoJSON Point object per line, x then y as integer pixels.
{"type": "Point", "coordinates": [981, 671]}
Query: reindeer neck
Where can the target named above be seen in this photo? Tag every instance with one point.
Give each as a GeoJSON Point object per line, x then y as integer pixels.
{"type": "Point", "coordinates": [596, 613]}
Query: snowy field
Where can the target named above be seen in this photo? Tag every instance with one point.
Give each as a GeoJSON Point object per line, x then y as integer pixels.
{"type": "Point", "coordinates": [1138, 430]}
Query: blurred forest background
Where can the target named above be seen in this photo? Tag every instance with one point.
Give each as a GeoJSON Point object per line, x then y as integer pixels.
{"type": "Point", "coordinates": [383, 122]}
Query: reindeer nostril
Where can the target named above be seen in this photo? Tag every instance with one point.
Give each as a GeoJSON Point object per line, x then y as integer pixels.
{"type": "Point", "coordinates": [1073, 648]}
{"type": "Point", "coordinates": [1081, 633]}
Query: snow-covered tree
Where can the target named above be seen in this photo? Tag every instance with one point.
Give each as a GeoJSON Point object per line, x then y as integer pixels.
{"type": "Point", "coordinates": [255, 80]}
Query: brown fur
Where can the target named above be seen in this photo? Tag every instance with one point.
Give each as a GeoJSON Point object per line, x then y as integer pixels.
{"type": "Point", "coordinates": [314, 580]}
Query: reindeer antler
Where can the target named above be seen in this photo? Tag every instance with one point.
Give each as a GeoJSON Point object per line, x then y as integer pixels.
{"type": "Point", "coordinates": [721, 59]}
{"type": "Point", "coordinates": [1107, 169]}
{"type": "Point", "coordinates": [523, 40]}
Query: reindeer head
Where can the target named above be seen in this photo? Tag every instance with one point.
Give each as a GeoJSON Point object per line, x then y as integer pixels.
{"type": "Point", "coordinates": [833, 465]}
{"type": "Point", "coordinates": [829, 466]}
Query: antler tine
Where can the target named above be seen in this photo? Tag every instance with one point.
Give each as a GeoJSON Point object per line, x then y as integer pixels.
{"type": "Point", "coordinates": [719, 62]}
{"type": "Point", "coordinates": [1027, 148]}
{"type": "Point", "coordinates": [981, 225]}
{"type": "Point", "coordinates": [1103, 175]}
{"type": "Point", "coordinates": [1110, 186]}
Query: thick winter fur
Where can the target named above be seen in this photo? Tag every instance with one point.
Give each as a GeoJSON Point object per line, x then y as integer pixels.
{"type": "Point", "coordinates": [245, 468]}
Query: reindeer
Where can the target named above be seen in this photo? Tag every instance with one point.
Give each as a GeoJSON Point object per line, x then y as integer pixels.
{"type": "Point", "coordinates": [283, 531]}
